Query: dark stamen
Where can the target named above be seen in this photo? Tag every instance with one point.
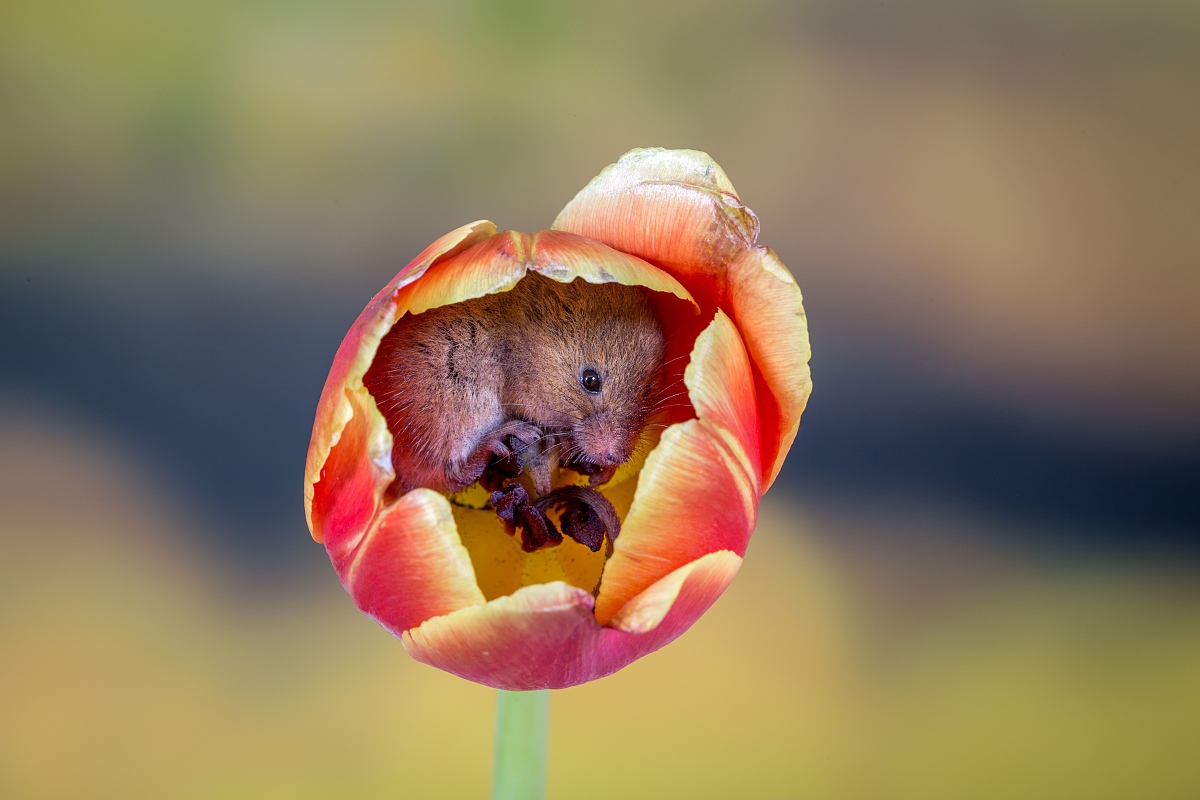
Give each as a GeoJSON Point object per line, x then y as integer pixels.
{"type": "Point", "coordinates": [585, 515]}
{"type": "Point", "coordinates": [512, 505]}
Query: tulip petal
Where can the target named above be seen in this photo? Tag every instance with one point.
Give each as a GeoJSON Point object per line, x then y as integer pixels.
{"type": "Point", "coordinates": [348, 494]}
{"type": "Point", "coordinates": [768, 308]}
{"type": "Point", "coordinates": [545, 636]}
{"type": "Point", "coordinates": [720, 385]}
{"type": "Point", "coordinates": [495, 265]}
{"type": "Point", "coordinates": [693, 497]}
{"type": "Point", "coordinates": [335, 408]}
{"type": "Point", "coordinates": [492, 265]}
{"type": "Point", "coordinates": [647, 611]}
{"type": "Point", "coordinates": [411, 566]}
{"type": "Point", "coordinates": [675, 208]}
{"type": "Point", "coordinates": [565, 256]}
{"type": "Point", "coordinates": [699, 489]}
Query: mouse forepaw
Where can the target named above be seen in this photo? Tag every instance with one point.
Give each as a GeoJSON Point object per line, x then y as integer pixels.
{"type": "Point", "coordinates": [517, 434]}
{"type": "Point", "coordinates": [490, 463]}
{"type": "Point", "coordinates": [497, 458]}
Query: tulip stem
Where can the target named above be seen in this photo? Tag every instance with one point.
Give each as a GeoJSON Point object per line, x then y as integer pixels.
{"type": "Point", "coordinates": [522, 720]}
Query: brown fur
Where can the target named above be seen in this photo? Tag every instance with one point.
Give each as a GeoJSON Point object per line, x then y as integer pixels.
{"type": "Point", "coordinates": [456, 381]}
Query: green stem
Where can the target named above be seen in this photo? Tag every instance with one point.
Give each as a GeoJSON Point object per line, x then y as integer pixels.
{"type": "Point", "coordinates": [522, 719]}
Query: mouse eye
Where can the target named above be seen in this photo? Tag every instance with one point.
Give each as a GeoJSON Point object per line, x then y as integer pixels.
{"type": "Point", "coordinates": [590, 381]}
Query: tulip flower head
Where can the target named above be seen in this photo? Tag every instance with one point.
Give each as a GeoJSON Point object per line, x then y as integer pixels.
{"type": "Point", "coordinates": [463, 574]}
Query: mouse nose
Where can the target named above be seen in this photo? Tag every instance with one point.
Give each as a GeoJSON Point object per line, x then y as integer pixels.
{"type": "Point", "coordinates": [616, 452]}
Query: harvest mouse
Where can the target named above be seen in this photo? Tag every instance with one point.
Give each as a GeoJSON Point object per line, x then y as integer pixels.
{"type": "Point", "coordinates": [561, 370]}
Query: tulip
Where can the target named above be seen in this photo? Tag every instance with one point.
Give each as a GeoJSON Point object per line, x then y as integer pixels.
{"type": "Point", "coordinates": [442, 573]}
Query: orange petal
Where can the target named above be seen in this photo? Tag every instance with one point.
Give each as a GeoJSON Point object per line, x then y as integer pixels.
{"type": "Point", "coordinates": [411, 565]}
{"type": "Point", "coordinates": [545, 636]}
{"type": "Point", "coordinates": [565, 256]}
{"type": "Point", "coordinates": [694, 497]}
{"type": "Point", "coordinates": [708, 472]}
{"type": "Point", "coordinates": [335, 409]}
{"type": "Point", "coordinates": [647, 611]}
{"type": "Point", "coordinates": [720, 385]}
{"type": "Point", "coordinates": [769, 311]}
{"type": "Point", "coordinates": [675, 208]}
{"type": "Point", "coordinates": [678, 209]}
{"type": "Point", "coordinates": [492, 265]}
{"type": "Point", "coordinates": [496, 264]}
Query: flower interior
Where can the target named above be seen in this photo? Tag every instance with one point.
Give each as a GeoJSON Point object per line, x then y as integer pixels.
{"type": "Point", "coordinates": [503, 560]}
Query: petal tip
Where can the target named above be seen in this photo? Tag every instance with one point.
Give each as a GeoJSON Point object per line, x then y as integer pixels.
{"type": "Point", "coordinates": [712, 573]}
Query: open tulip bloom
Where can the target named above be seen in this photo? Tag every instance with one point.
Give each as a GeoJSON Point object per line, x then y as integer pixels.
{"type": "Point", "coordinates": [443, 572]}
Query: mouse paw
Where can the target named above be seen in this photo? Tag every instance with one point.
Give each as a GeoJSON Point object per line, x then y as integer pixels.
{"type": "Point", "coordinates": [496, 457]}
{"type": "Point", "coordinates": [524, 434]}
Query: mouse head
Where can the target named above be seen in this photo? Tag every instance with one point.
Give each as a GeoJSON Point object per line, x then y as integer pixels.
{"type": "Point", "coordinates": [594, 356]}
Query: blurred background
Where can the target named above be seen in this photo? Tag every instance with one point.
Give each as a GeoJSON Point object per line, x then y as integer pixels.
{"type": "Point", "coordinates": [979, 575]}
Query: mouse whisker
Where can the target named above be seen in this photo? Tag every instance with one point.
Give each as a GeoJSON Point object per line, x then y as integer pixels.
{"type": "Point", "coordinates": [657, 401]}
{"type": "Point", "coordinates": [663, 366]}
{"type": "Point", "coordinates": [659, 398]}
{"type": "Point", "coordinates": [668, 402]}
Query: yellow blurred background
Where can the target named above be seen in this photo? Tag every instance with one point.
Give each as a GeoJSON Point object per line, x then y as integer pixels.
{"type": "Point", "coordinates": [979, 575]}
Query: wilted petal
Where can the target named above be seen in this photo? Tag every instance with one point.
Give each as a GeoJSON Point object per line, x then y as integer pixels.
{"type": "Point", "coordinates": [411, 565]}
{"type": "Point", "coordinates": [545, 636]}
{"type": "Point", "coordinates": [675, 208]}
{"type": "Point", "coordinates": [769, 311]}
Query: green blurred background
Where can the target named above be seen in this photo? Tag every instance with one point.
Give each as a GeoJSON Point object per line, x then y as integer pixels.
{"type": "Point", "coordinates": [979, 575]}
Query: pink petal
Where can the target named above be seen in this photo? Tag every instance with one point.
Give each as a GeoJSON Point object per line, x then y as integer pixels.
{"type": "Point", "coordinates": [545, 636]}
{"type": "Point", "coordinates": [411, 565]}
{"type": "Point", "coordinates": [349, 490]}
